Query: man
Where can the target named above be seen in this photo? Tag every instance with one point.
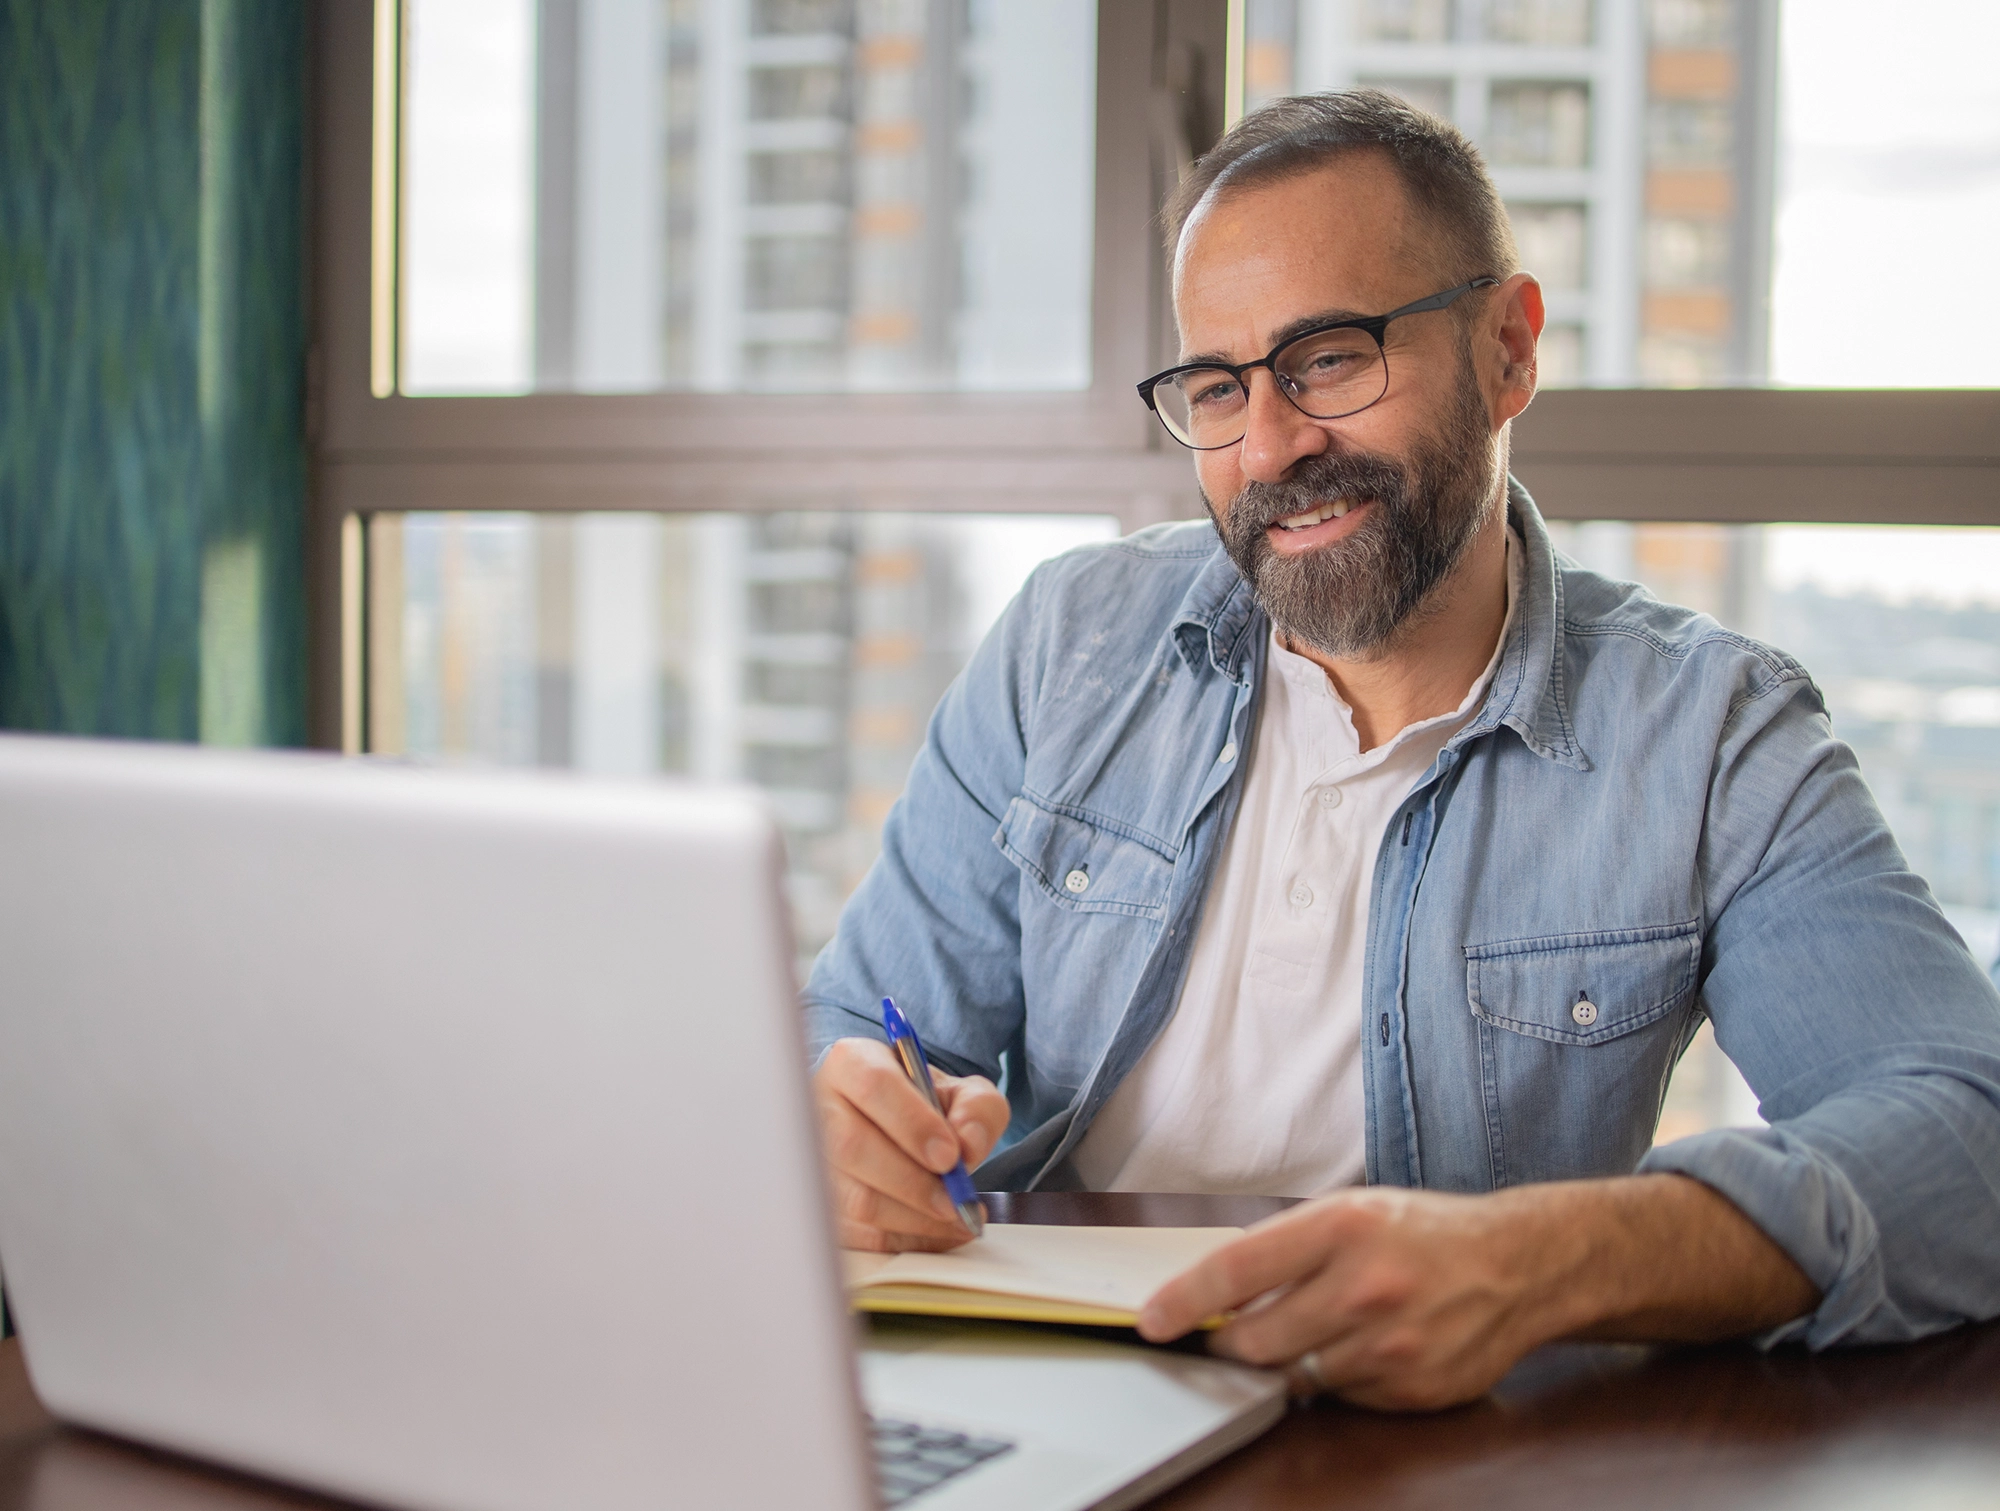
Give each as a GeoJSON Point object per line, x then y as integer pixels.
{"type": "Point", "coordinates": [1373, 842]}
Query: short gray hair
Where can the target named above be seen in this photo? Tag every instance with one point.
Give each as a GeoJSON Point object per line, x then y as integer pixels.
{"type": "Point", "coordinates": [1441, 171]}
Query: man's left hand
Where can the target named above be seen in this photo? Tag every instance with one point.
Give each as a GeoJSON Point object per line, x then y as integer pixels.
{"type": "Point", "coordinates": [1413, 1300]}
{"type": "Point", "coordinates": [1405, 1299]}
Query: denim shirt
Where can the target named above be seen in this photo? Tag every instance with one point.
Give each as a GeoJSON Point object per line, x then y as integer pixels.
{"type": "Point", "coordinates": [1648, 811]}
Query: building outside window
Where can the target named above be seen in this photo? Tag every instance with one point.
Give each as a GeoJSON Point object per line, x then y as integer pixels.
{"type": "Point", "coordinates": [1638, 122]}
{"type": "Point", "coordinates": [747, 194]}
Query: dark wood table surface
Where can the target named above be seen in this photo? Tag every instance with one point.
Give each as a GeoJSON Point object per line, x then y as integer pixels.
{"type": "Point", "coordinates": [1914, 1427]}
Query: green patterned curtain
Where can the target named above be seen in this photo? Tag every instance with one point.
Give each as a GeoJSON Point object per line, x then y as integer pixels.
{"type": "Point", "coordinates": [152, 340]}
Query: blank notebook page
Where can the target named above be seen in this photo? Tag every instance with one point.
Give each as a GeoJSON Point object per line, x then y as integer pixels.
{"type": "Point", "coordinates": [1113, 1268]}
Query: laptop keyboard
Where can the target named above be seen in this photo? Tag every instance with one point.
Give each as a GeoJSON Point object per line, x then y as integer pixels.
{"type": "Point", "coordinates": [910, 1459]}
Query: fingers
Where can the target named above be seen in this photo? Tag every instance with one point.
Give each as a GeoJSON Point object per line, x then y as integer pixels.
{"type": "Point", "coordinates": [851, 1235]}
{"type": "Point", "coordinates": [1320, 1312]}
{"type": "Point", "coordinates": [886, 1146]}
{"type": "Point", "coordinates": [1387, 1299]}
{"type": "Point", "coordinates": [868, 1076]}
{"type": "Point", "coordinates": [877, 1184]}
{"type": "Point", "coordinates": [1276, 1254]}
{"type": "Point", "coordinates": [1346, 1280]}
{"type": "Point", "coordinates": [977, 1112]}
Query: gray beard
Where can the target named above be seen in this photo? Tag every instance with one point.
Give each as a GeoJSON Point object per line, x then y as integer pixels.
{"type": "Point", "coordinates": [1349, 600]}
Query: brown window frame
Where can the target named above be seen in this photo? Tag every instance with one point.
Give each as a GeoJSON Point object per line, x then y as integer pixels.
{"type": "Point", "coordinates": [1719, 455]}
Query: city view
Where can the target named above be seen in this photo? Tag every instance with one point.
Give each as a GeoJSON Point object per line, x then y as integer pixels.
{"type": "Point", "coordinates": [628, 195]}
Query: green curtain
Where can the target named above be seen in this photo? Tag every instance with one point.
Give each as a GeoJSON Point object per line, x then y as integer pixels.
{"type": "Point", "coordinates": [152, 352]}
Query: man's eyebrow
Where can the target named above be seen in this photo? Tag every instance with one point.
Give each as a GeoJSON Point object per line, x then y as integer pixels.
{"type": "Point", "coordinates": [1306, 323]}
{"type": "Point", "coordinates": [1279, 337]}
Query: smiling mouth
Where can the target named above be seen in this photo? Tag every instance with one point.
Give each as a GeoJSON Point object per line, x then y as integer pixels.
{"type": "Point", "coordinates": [1317, 516]}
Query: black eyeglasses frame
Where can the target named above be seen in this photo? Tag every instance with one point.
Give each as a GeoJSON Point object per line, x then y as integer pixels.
{"type": "Point", "coordinates": [1375, 325]}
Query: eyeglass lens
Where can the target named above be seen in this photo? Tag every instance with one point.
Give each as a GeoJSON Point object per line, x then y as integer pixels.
{"type": "Point", "coordinates": [1326, 375]}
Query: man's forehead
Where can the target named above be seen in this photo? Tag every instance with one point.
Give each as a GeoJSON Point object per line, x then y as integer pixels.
{"type": "Point", "coordinates": [1337, 237]}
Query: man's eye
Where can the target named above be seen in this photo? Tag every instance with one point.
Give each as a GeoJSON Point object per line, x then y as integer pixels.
{"type": "Point", "coordinates": [1213, 393]}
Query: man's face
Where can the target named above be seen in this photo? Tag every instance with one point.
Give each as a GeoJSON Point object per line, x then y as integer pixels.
{"type": "Point", "coordinates": [1343, 528]}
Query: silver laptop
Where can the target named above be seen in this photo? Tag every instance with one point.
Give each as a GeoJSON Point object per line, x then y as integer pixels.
{"type": "Point", "coordinates": [443, 1140]}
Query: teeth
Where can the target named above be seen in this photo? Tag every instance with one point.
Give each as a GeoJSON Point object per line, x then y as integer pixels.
{"type": "Point", "coordinates": [1319, 516]}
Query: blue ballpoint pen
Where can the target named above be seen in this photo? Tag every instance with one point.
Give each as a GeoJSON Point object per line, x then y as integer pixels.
{"type": "Point", "coordinates": [910, 1050]}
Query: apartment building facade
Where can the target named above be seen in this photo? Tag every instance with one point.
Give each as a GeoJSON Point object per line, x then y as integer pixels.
{"type": "Point", "coordinates": [1633, 141]}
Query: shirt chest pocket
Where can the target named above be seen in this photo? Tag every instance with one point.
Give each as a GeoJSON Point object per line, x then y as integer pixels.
{"type": "Point", "coordinates": [1083, 866]}
{"type": "Point", "coordinates": [1584, 988]}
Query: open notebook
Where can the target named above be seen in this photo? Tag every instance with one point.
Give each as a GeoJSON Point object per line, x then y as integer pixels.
{"type": "Point", "coordinates": [1026, 1273]}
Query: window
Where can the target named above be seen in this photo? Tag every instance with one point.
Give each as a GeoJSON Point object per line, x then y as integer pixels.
{"type": "Point", "coordinates": [1433, 95]}
{"type": "Point", "coordinates": [1539, 23]}
{"type": "Point", "coordinates": [630, 195]}
{"type": "Point", "coordinates": [800, 651]}
{"type": "Point", "coordinates": [828, 312]}
{"type": "Point", "coordinates": [1737, 180]}
{"type": "Point", "coordinates": [1538, 126]}
{"type": "Point", "coordinates": [1553, 240]}
{"type": "Point", "coordinates": [1403, 20]}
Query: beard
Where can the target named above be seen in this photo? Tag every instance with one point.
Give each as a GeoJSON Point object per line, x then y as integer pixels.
{"type": "Point", "coordinates": [1351, 599]}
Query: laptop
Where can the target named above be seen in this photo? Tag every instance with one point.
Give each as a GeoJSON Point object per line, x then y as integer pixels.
{"type": "Point", "coordinates": [442, 1140]}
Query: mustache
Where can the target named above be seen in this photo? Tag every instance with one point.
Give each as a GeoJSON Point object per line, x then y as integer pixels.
{"type": "Point", "coordinates": [1329, 479]}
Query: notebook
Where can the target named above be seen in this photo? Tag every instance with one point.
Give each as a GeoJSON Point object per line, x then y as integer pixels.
{"type": "Point", "coordinates": [1098, 1277]}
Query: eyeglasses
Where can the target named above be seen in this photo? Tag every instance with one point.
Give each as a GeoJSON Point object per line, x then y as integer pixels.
{"type": "Point", "coordinates": [1328, 372]}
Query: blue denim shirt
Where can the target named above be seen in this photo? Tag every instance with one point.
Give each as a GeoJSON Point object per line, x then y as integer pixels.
{"type": "Point", "coordinates": [1648, 809]}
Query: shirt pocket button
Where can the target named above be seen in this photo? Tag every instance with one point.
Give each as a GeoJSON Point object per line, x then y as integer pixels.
{"type": "Point", "coordinates": [1585, 1012]}
{"type": "Point", "coordinates": [1078, 881]}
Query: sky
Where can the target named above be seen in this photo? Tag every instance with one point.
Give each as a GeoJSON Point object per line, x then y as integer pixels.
{"type": "Point", "coordinates": [1888, 236]}
{"type": "Point", "coordinates": [1888, 223]}
{"type": "Point", "coordinates": [1902, 563]}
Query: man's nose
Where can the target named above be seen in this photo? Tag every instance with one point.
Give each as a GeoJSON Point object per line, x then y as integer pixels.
{"type": "Point", "coordinates": [1276, 434]}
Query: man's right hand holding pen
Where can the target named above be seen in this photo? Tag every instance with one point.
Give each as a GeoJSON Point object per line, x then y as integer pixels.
{"type": "Point", "coordinates": [888, 1150]}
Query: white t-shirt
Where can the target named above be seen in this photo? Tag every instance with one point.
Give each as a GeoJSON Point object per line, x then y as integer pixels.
{"type": "Point", "coordinates": [1254, 1085]}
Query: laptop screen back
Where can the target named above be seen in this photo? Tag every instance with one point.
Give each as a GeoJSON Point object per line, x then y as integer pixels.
{"type": "Point", "coordinates": [435, 1138]}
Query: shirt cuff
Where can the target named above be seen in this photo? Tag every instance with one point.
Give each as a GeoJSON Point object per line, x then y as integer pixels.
{"type": "Point", "coordinates": [1804, 1204]}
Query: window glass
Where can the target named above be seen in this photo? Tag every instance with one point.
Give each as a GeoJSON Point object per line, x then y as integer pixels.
{"type": "Point", "coordinates": [634, 195]}
{"type": "Point", "coordinates": [802, 651]}
{"type": "Point", "coordinates": [1538, 125]}
{"type": "Point", "coordinates": [1707, 188]}
{"type": "Point", "coordinates": [1900, 628]}
{"type": "Point", "coordinates": [468, 245]}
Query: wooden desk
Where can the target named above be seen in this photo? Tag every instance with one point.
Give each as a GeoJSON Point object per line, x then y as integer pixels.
{"type": "Point", "coordinates": [1585, 1426]}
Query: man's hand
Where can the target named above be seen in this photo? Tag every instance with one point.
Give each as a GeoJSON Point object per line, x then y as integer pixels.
{"type": "Point", "coordinates": [887, 1148]}
{"type": "Point", "coordinates": [1413, 1300]}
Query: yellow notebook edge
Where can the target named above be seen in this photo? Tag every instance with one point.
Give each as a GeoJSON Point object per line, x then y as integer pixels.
{"type": "Point", "coordinates": [993, 1306]}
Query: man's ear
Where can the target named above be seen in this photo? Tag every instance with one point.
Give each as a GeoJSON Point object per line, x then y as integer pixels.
{"type": "Point", "coordinates": [1518, 302]}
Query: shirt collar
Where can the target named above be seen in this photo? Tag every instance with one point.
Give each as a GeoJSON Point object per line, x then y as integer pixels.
{"type": "Point", "coordinates": [1528, 694]}
{"type": "Point", "coordinates": [1219, 625]}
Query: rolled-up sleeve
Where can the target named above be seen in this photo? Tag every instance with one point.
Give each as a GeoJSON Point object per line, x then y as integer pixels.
{"type": "Point", "coordinates": [1867, 1030]}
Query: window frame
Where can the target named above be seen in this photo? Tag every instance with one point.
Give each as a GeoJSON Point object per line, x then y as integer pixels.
{"type": "Point", "coordinates": [1737, 456]}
